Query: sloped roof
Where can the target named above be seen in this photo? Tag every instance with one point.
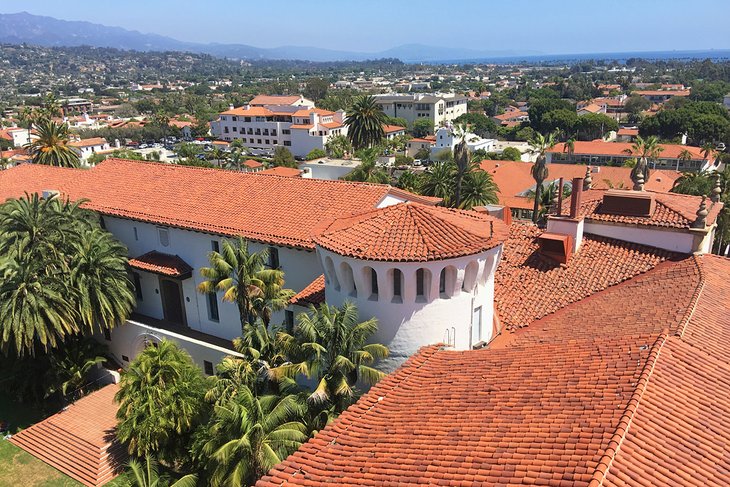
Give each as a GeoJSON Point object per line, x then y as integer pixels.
{"type": "Point", "coordinates": [607, 391]}
{"type": "Point", "coordinates": [529, 286]}
{"type": "Point", "coordinates": [270, 209]}
{"type": "Point", "coordinates": [94, 141]}
{"type": "Point", "coordinates": [274, 100]}
{"type": "Point", "coordinates": [412, 232]}
{"type": "Point", "coordinates": [312, 294]}
{"type": "Point", "coordinates": [161, 263]}
{"type": "Point", "coordinates": [79, 441]}
{"type": "Point", "coordinates": [672, 210]}
{"type": "Point", "coordinates": [514, 177]}
{"type": "Point", "coordinates": [625, 149]}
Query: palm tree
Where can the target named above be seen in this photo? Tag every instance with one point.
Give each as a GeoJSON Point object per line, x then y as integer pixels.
{"type": "Point", "coordinates": [569, 147]}
{"type": "Point", "coordinates": [409, 181]}
{"type": "Point", "coordinates": [73, 365]}
{"type": "Point", "coordinates": [684, 156]}
{"type": "Point", "coordinates": [161, 400]}
{"type": "Point", "coordinates": [62, 273]}
{"type": "Point", "coordinates": [645, 150]}
{"type": "Point", "coordinates": [244, 280]}
{"type": "Point", "coordinates": [148, 475]}
{"type": "Point", "coordinates": [707, 150]}
{"type": "Point", "coordinates": [540, 145]}
{"type": "Point", "coordinates": [100, 273]}
{"type": "Point", "coordinates": [330, 345]}
{"type": "Point", "coordinates": [479, 189]}
{"type": "Point", "coordinates": [365, 122]}
{"type": "Point", "coordinates": [548, 195]}
{"type": "Point", "coordinates": [438, 181]}
{"type": "Point", "coordinates": [51, 147]}
{"type": "Point", "coordinates": [462, 161]}
{"type": "Point", "coordinates": [248, 435]}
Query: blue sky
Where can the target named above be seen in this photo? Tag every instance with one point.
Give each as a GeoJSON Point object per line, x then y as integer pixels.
{"type": "Point", "coordinates": [551, 27]}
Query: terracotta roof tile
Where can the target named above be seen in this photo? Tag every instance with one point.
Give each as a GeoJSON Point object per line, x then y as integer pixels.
{"type": "Point", "coordinates": [274, 100]}
{"type": "Point", "coordinates": [529, 285]}
{"type": "Point", "coordinates": [289, 172]}
{"type": "Point", "coordinates": [199, 198]}
{"type": "Point", "coordinates": [624, 149]}
{"type": "Point", "coordinates": [79, 441]}
{"type": "Point", "coordinates": [672, 210]}
{"type": "Point", "coordinates": [312, 294]}
{"type": "Point", "coordinates": [412, 232]}
{"type": "Point", "coordinates": [160, 263]}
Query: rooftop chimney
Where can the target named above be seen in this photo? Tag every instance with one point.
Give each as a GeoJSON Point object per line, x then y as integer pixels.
{"type": "Point", "coordinates": [576, 196]}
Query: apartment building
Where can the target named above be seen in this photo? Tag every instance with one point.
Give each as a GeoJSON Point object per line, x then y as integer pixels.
{"type": "Point", "coordinates": [292, 122]}
{"type": "Point", "coordinates": [440, 108]}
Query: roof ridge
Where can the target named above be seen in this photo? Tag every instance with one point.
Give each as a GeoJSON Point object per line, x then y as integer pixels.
{"type": "Point", "coordinates": [684, 322]}
{"type": "Point", "coordinates": [624, 423]}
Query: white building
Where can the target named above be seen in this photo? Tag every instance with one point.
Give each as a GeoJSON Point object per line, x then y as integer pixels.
{"type": "Point", "coordinates": [298, 128]}
{"type": "Point", "coordinates": [85, 148]}
{"type": "Point", "coordinates": [446, 139]}
{"type": "Point", "coordinates": [428, 279]}
{"type": "Point", "coordinates": [439, 108]}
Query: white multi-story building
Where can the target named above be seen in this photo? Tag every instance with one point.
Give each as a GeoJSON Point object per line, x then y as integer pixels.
{"type": "Point", "coordinates": [439, 108]}
{"type": "Point", "coordinates": [299, 128]}
{"type": "Point", "coordinates": [446, 139]}
{"type": "Point", "coordinates": [85, 148]}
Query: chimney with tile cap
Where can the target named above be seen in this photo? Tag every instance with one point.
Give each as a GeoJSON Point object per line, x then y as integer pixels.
{"type": "Point", "coordinates": [571, 225]}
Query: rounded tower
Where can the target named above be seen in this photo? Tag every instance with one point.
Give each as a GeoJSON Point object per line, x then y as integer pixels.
{"type": "Point", "coordinates": [425, 272]}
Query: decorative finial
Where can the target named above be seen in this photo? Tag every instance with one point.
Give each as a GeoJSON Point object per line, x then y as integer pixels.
{"type": "Point", "coordinates": [701, 214]}
{"type": "Point", "coordinates": [717, 190]}
{"type": "Point", "coordinates": [587, 180]}
{"type": "Point", "coordinates": [639, 174]}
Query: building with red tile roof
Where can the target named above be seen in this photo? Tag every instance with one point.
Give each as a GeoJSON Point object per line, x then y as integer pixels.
{"type": "Point", "coordinates": [272, 121]}
{"type": "Point", "coordinates": [588, 395]}
{"type": "Point", "coordinates": [288, 172]}
{"type": "Point", "coordinates": [599, 152]}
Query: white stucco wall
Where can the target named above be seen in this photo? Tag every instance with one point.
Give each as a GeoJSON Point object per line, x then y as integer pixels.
{"type": "Point", "coordinates": [301, 267]}
{"type": "Point", "coordinates": [130, 339]}
{"type": "Point", "coordinates": [408, 323]}
{"type": "Point", "coordinates": [668, 239]}
{"type": "Point", "coordinates": [568, 226]}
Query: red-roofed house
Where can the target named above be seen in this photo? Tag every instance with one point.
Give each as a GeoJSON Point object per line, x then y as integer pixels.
{"type": "Point", "coordinates": [262, 126]}
{"type": "Point", "coordinates": [601, 153]}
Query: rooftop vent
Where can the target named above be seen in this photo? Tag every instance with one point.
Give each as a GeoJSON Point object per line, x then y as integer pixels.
{"type": "Point", "coordinates": [556, 246]}
{"type": "Point", "coordinates": [628, 203]}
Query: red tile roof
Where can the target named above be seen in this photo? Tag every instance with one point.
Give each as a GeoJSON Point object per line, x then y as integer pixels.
{"type": "Point", "coordinates": [160, 263]}
{"type": "Point", "coordinates": [514, 177]}
{"type": "Point", "coordinates": [611, 390]}
{"type": "Point", "coordinates": [251, 164]}
{"type": "Point", "coordinates": [79, 441]}
{"type": "Point", "coordinates": [332, 125]}
{"type": "Point", "coordinates": [625, 131]}
{"type": "Point", "coordinates": [289, 172]}
{"type": "Point", "coordinates": [200, 198]}
{"type": "Point", "coordinates": [312, 294]}
{"type": "Point", "coordinates": [625, 149]}
{"type": "Point", "coordinates": [662, 92]}
{"type": "Point", "coordinates": [274, 100]}
{"type": "Point", "coordinates": [672, 210]}
{"type": "Point", "coordinates": [529, 286]}
{"type": "Point", "coordinates": [412, 232]}
{"type": "Point", "coordinates": [511, 116]}
{"type": "Point", "coordinates": [303, 126]}
{"type": "Point", "coordinates": [94, 141]}
{"type": "Point", "coordinates": [389, 129]}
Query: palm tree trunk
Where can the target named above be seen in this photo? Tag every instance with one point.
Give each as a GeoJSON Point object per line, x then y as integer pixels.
{"type": "Point", "coordinates": [536, 205]}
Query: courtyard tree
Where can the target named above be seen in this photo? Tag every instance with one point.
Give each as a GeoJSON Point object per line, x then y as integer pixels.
{"type": "Point", "coordinates": [52, 148]}
{"type": "Point", "coordinates": [365, 121]}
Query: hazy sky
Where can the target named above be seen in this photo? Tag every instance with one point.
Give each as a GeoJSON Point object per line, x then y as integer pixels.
{"type": "Point", "coordinates": [551, 27]}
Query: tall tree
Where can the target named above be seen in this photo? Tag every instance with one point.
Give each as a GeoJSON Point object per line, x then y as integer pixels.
{"type": "Point", "coordinates": [51, 147]}
{"type": "Point", "coordinates": [248, 435]}
{"type": "Point", "coordinates": [365, 121]}
{"type": "Point", "coordinates": [148, 475]}
{"type": "Point", "coordinates": [462, 161]}
{"type": "Point", "coordinates": [331, 345]}
{"type": "Point", "coordinates": [438, 181]}
{"type": "Point", "coordinates": [645, 150]}
{"type": "Point", "coordinates": [161, 401]}
{"type": "Point", "coordinates": [539, 146]}
{"type": "Point", "coordinates": [479, 189]}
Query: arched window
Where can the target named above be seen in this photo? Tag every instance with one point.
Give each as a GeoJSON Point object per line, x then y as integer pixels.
{"type": "Point", "coordinates": [470, 276]}
{"type": "Point", "coordinates": [330, 274]}
{"type": "Point", "coordinates": [423, 284]}
{"type": "Point", "coordinates": [447, 281]}
{"type": "Point", "coordinates": [397, 286]}
{"type": "Point", "coordinates": [370, 278]}
{"type": "Point", "coordinates": [348, 280]}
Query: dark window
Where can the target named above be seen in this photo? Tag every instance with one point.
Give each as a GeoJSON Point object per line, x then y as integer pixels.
{"type": "Point", "coordinates": [107, 334]}
{"type": "Point", "coordinates": [136, 237]}
{"type": "Point", "coordinates": [273, 257]}
{"type": "Point", "coordinates": [289, 320]}
{"type": "Point", "coordinates": [419, 282]}
{"type": "Point", "coordinates": [215, 247]}
{"type": "Point", "coordinates": [442, 281]}
{"type": "Point", "coordinates": [396, 283]}
{"type": "Point", "coordinates": [125, 358]}
{"type": "Point", "coordinates": [137, 286]}
{"type": "Point", "coordinates": [208, 367]}
{"type": "Point", "coordinates": [102, 223]}
{"type": "Point", "coordinates": [213, 307]}
{"type": "Point", "coordinates": [374, 281]}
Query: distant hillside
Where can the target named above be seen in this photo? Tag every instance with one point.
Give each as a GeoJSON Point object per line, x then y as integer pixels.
{"type": "Point", "coordinates": [26, 28]}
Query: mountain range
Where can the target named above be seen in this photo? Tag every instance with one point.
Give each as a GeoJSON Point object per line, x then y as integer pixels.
{"type": "Point", "coordinates": [18, 28]}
